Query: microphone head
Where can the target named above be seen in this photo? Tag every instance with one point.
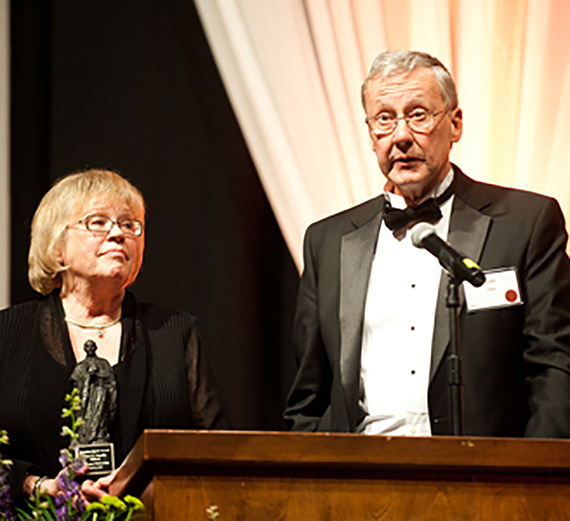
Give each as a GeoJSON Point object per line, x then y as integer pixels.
{"type": "Point", "coordinates": [420, 231]}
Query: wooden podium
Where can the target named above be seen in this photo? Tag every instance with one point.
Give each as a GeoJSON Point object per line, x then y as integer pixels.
{"type": "Point", "coordinates": [269, 476]}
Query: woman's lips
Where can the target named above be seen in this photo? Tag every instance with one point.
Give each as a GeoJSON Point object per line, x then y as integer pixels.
{"type": "Point", "coordinates": [115, 253]}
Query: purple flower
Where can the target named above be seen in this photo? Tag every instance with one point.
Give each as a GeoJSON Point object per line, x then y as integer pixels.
{"type": "Point", "coordinates": [78, 467]}
{"type": "Point", "coordinates": [64, 458]}
{"type": "Point", "coordinates": [68, 503]}
{"type": "Point", "coordinates": [5, 499]}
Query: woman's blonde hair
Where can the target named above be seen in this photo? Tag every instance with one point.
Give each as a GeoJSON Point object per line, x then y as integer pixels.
{"type": "Point", "coordinates": [61, 204]}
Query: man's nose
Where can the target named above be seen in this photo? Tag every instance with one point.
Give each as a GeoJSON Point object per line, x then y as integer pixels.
{"type": "Point", "coordinates": [402, 137]}
{"type": "Point", "coordinates": [402, 130]}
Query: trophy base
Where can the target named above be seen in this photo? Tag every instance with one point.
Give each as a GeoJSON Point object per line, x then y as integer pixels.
{"type": "Point", "coordinates": [100, 458]}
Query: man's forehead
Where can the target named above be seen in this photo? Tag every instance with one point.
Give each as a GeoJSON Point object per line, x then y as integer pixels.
{"type": "Point", "coordinates": [418, 84]}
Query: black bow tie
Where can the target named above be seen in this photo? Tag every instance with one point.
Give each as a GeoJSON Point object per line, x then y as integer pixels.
{"type": "Point", "coordinates": [396, 219]}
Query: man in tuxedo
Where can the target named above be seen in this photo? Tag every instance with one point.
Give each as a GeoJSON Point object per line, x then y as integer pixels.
{"type": "Point", "coordinates": [372, 330]}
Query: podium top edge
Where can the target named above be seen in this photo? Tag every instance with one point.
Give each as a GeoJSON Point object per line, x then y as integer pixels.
{"type": "Point", "coordinates": [293, 448]}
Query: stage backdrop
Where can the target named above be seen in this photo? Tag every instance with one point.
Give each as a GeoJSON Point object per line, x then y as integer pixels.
{"type": "Point", "coordinates": [293, 70]}
{"type": "Point", "coordinates": [4, 153]}
{"type": "Point", "coordinates": [132, 86]}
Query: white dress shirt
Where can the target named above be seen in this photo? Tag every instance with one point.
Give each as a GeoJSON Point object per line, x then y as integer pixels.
{"type": "Point", "coordinates": [398, 329]}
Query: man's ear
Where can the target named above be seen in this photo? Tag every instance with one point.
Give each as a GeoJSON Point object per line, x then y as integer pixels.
{"type": "Point", "coordinates": [456, 125]}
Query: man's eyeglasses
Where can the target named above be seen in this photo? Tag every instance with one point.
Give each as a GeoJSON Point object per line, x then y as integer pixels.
{"type": "Point", "coordinates": [104, 224]}
{"type": "Point", "coordinates": [420, 121]}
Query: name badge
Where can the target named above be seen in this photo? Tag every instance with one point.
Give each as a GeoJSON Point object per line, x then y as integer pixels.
{"type": "Point", "coordinates": [501, 289]}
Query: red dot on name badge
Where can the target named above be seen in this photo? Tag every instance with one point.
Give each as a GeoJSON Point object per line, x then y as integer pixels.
{"type": "Point", "coordinates": [511, 295]}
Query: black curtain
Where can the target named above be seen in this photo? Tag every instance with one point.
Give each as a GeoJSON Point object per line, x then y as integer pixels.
{"type": "Point", "coordinates": [131, 85]}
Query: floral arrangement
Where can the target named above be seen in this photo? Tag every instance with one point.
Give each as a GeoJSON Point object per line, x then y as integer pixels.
{"type": "Point", "coordinates": [67, 505]}
{"type": "Point", "coordinates": [5, 507]}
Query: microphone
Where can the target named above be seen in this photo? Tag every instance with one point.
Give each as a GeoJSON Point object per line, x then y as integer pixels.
{"type": "Point", "coordinates": [458, 266]}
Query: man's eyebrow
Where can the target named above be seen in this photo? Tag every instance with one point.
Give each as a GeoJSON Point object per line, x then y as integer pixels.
{"type": "Point", "coordinates": [417, 101]}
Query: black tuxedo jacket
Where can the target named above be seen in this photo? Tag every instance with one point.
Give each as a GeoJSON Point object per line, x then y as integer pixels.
{"type": "Point", "coordinates": [516, 360]}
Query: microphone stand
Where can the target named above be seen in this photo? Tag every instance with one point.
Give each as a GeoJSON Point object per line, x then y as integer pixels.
{"type": "Point", "coordinates": [455, 371]}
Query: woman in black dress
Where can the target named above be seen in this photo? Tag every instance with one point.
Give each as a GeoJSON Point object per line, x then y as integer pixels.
{"type": "Point", "coordinates": [86, 248]}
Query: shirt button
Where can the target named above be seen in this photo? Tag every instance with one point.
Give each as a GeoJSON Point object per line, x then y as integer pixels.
{"type": "Point", "coordinates": [412, 430]}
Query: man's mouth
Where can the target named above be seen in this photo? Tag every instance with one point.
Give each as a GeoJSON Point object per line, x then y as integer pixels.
{"type": "Point", "coordinates": [406, 161]}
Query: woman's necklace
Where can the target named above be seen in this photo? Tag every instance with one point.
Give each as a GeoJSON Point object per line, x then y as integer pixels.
{"type": "Point", "coordinates": [98, 327]}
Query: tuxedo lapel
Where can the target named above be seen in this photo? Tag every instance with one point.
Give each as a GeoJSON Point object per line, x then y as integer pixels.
{"type": "Point", "coordinates": [357, 253]}
{"type": "Point", "coordinates": [468, 229]}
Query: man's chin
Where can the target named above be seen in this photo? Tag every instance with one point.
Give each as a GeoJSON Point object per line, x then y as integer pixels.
{"type": "Point", "coordinates": [407, 179]}
{"type": "Point", "coordinates": [411, 185]}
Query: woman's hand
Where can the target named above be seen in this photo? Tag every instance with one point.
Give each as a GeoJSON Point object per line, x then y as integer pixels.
{"type": "Point", "coordinates": [49, 486]}
{"type": "Point", "coordinates": [33, 484]}
{"type": "Point", "coordinates": [95, 490]}
{"type": "Point", "coordinates": [90, 490]}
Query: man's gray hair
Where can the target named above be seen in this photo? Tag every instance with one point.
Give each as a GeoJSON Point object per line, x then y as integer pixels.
{"type": "Point", "coordinates": [390, 63]}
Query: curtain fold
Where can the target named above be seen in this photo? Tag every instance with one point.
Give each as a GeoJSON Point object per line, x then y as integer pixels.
{"type": "Point", "coordinates": [4, 153]}
{"type": "Point", "coordinates": [293, 69]}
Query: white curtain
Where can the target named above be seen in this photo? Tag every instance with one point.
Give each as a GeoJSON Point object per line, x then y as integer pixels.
{"type": "Point", "coordinates": [293, 69]}
{"type": "Point", "coordinates": [4, 153]}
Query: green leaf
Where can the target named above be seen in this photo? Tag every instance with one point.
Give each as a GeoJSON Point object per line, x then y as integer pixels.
{"type": "Point", "coordinates": [66, 431]}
